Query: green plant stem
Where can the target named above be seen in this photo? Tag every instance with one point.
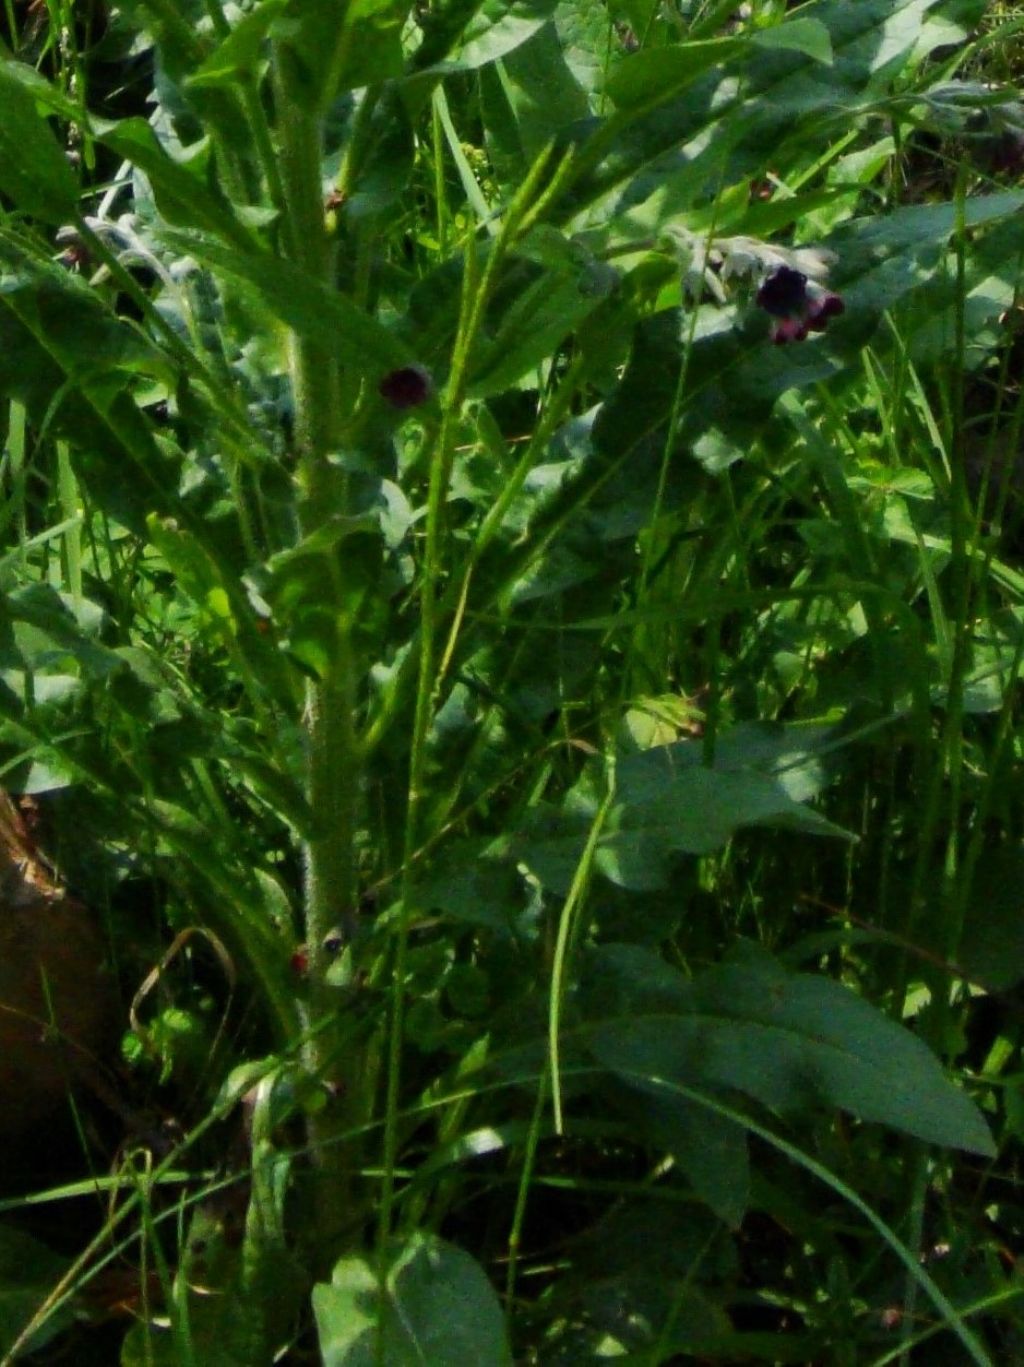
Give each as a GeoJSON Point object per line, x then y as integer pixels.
{"type": "Point", "coordinates": [333, 762]}
{"type": "Point", "coordinates": [515, 1235]}
{"type": "Point", "coordinates": [476, 290]}
{"type": "Point", "coordinates": [567, 932]}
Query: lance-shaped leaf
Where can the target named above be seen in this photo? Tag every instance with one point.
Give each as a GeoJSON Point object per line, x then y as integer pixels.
{"type": "Point", "coordinates": [791, 1041]}
{"type": "Point", "coordinates": [34, 172]}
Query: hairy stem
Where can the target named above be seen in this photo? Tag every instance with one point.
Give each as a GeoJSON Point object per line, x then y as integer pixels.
{"type": "Point", "coordinates": [332, 777]}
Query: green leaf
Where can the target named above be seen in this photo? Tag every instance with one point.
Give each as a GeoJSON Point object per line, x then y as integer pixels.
{"type": "Point", "coordinates": [53, 626]}
{"type": "Point", "coordinates": [668, 803]}
{"type": "Point", "coordinates": [541, 313]}
{"type": "Point", "coordinates": [542, 92]}
{"type": "Point", "coordinates": [477, 883]}
{"type": "Point", "coordinates": [791, 1041]}
{"type": "Point", "coordinates": [388, 157]}
{"type": "Point", "coordinates": [808, 36]}
{"type": "Point", "coordinates": [749, 109]}
{"type": "Point", "coordinates": [303, 303]}
{"type": "Point", "coordinates": [326, 49]}
{"type": "Point", "coordinates": [372, 46]}
{"type": "Point", "coordinates": [34, 172]}
{"type": "Point", "coordinates": [658, 74]}
{"type": "Point", "coordinates": [182, 196]}
{"type": "Point", "coordinates": [94, 349]}
{"type": "Point", "coordinates": [589, 51]}
{"type": "Point", "coordinates": [238, 53]}
{"type": "Point", "coordinates": [437, 1306]}
{"type": "Point", "coordinates": [499, 27]}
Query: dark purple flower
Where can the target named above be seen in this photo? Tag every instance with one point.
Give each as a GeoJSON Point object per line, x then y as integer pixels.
{"type": "Point", "coordinates": [784, 293]}
{"type": "Point", "coordinates": [406, 387]}
{"type": "Point", "coordinates": [799, 305]}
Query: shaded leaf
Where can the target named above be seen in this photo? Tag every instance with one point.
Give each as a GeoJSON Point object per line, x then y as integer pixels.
{"type": "Point", "coordinates": [791, 1041]}
{"type": "Point", "coordinates": [658, 74]}
{"type": "Point", "coordinates": [303, 303]}
{"type": "Point", "coordinates": [667, 802]}
{"type": "Point", "coordinates": [808, 36]}
{"type": "Point", "coordinates": [29, 1270]}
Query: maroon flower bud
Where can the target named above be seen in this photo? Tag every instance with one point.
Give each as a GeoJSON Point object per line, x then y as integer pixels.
{"type": "Point", "coordinates": [821, 308]}
{"type": "Point", "coordinates": [406, 387]}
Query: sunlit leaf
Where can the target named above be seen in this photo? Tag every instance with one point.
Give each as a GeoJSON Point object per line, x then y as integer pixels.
{"type": "Point", "coordinates": [436, 1306]}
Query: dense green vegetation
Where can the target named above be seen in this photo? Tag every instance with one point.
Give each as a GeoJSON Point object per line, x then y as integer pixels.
{"type": "Point", "coordinates": [511, 611]}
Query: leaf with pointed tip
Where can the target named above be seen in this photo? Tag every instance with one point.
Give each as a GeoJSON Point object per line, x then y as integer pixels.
{"type": "Point", "coordinates": [791, 1041]}
{"type": "Point", "coordinates": [34, 172]}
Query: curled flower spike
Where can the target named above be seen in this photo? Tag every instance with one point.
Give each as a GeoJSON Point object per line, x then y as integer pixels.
{"type": "Point", "coordinates": [799, 305]}
{"type": "Point", "coordinates": [406, 387]}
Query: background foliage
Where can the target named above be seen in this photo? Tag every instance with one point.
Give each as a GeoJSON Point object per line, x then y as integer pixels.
{"type": "Point", "coordinates": [547, 708]}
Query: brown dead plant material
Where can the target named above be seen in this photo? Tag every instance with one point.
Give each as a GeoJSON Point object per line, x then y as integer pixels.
{"type": "Point", "coordinates": [55, 999]}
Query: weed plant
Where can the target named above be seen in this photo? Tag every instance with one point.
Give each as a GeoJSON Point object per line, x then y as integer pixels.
{"type": "Point", "coordinates": [512, 609]}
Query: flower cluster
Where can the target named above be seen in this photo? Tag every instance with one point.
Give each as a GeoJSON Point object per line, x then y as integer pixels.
{"type": "Point", "coordinates": [798, 305]}
{"type": "Point", "coordinates": [787, 282]}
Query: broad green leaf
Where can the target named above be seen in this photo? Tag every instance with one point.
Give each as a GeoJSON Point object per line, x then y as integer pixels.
{"type": "Point", "coordinates": [528, 98]}
{"type": "Point", "coordinates": [45, 94]}
{"type": "Point", "coordinates": [181, 46]}
{"type": "Point", "coordinates": [789, 1040]}
{"type": "Point", "coordinates": [95, 350]}
{"type": "Point", "coordinates": [882, 235]}
{"type": "Point", "coordinates": [387, 161]}
{"type": "Point", "coordinates": [668, 803]}
{"type": "Point", "coordinates": [543, 94]}
{"type": "Point", "coordinates": [592, 50]}
{"type": "Point", "coordinates": [194, 570]}
{"type": "Point", "coordinates": [710, 1150]}
{"type": "Point", "coordinates": [63, 328]}
{"type": "Point", "coordinates": [753, 110]}
{"type": "Point", "coordinates": [371, 50]}
{"type": "Point", "coordinates": [478, 885]}
{"type": "Point", "coordinates": [639, 1314]}
{"type": "Point", "coordinates": [659, 74]}
{"type": "Point", "coordinates": [499, 27]}
{"type": "Point", "coordinates": [50, 627]}
{"type": "Point", "coordinates": [34, 171]}
{"type": "Point", "coordinates": [437, 1306]}
{"type": "Point", "coordinates": [808, 36]}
